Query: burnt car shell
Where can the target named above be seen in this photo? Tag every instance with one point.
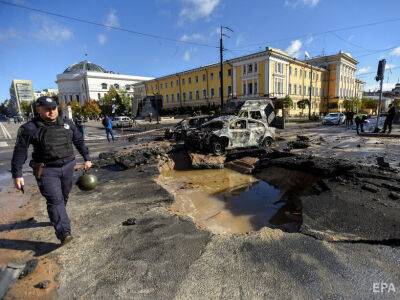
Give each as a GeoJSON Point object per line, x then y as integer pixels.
{"type": "Point", "coordinates": [180, 130]}
{"type": "Point", "coordinates": [230, 133]}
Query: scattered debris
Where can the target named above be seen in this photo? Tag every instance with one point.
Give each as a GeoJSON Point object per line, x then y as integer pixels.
{"type": "Point", "coordinates": [129, 222]}
{"type": "Point", "coordinates": [391, 186]}
{"type": "Point", "coordinates": [370, 188]}
{"type": "Point", "coordinates": [29, 268]}
{"type": "Point", "coordinates": [43, 284]}
{"type": "Point", "coordinates": [302, 142]}
{"type": "Point", "coordinates": [243, 165]}
{"type": "Point", "coordinates": [202, 161]}
{"type": "Point", "coordinates": [381, 162]}
{"type": "Point", "coordinates": [394, 195]}
{"type": "Point", "coordinates": [8, 276]}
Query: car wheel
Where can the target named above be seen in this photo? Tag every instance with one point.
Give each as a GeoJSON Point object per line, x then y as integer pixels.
{"type": "Point", "coordinates": [266, 143]}
{"type": "Point", "coordinates": [217, 147]}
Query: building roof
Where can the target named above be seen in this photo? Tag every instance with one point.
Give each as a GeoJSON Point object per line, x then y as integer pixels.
{"type": "Point", "coordinates": [84, 66]}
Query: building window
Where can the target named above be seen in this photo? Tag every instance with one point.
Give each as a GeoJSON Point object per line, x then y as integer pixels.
{"type": "Point", "coordinates": [212, 93]}
{"type": "Point", "coordinates": [255, 67]}
{"type": "Point", "coordinates": [197, 95]}
{"type": "Point", "coordinates": [244, 89]}
{"type": "Point", "coordinates": [127, 87]}
{"type": "Point", "coordinates": [190, 95]}
{"type": "Point", "coordinates": [204, 77]}
{"type": "Point", "coordinates": [290, 89]}
{"type": "Point", "coordinates": [98, 96]}
{"type": "Point", "coordinates": [212, 76]}
{"type": "Point", "coordinates": [300, 90]}
{"type": "Point", "coordinates": [177, 97]}
{"type": "Point", "coordinates": [290, 70]}
{"type": "Point", "coordinates": [295, 89]}
{"type": "Point", "coordinates": [229, 72]}
{"type": "Point", "coordinates": [255, 88]}
{"type": "Point", "coordinates": [172, 83]}
{"type": "Point", "coordinates": [301, 73]}
{"type": "Point", "coordinates": [70, 97]}
{"type": "Point", "coordinates": [250, 68]}
{"type": "Point", "coordinates": [190, 80]}
{"type": "Point", "coordinates": [177, 82]}
{"type": "Point", "coordinates": [104, 86]}
{"type": "Point", "coordinates": [244, 69]}
{"type": "Point", "coordinates": [295, 72]}
{"type": "Point", "coordinates": [309, 75]}
{"type": "Point", "coordinates": [77, 98]}
{"type": "Point", "coordinates": [204, 94]}
{"type": "Point", "coordinates": [116, 86]}
{"type": "Point", "coordinates": [229, 91]}
{"type": "Point", "coordinates": [166, 97]}
{"type": "Point", "coordinates": [219, 75]}
{"type": "Point", "coordinates": [161, 86]}
{"type": "Point", "coordinates": [172, 98]}
{"type": "Point", "coordinates": [184, 96]}
{"type": "Point", "coordinates": [183, 81]}
{"type": "Point", "coordinates": [197, 78]}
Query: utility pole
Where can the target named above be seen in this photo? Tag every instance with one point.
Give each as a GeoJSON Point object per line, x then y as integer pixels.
{"type": "Point", "coordinates": [379, 76]}
{"type": "Point", "coordinates": [306, 55]}
{"type": "Point", "coordinates": [221, 62]}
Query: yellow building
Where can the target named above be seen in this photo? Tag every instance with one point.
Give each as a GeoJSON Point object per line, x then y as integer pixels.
{"type": "Point", "coordinates": [325, 80]}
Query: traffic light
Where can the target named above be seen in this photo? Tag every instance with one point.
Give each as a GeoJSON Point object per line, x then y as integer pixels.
{"type": "Point", "coordinates": [381, 70]}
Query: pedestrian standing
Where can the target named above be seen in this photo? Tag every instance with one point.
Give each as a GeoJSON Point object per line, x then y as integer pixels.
{"type": "Point", "coordinates": [150, 115]}
{"type": "Point", "coordinates": [389, 119]}
{"type": "Point", "coordinates": [53, 160]}
{"type": "Point", "coordinates": [109, 130]}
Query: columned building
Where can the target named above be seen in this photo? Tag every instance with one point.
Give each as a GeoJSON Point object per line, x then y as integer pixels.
{"type": "Point", "coordinates": [87, 81]}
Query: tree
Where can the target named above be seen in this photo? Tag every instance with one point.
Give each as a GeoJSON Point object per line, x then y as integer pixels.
{"type": "Point", "coordinates": [119, 99]}
{"type": "Point", "coordinates": [302, 104]}
{"type": "Point", "coordinates": [75, 107]}
{"type": "Point", "coordinates": [368, 103]}
{"type": "Point", "coordinates": [352, 104]}
{"type": "Point", "coordinates": [287, 103]}
{"type": "Point", "coordinates": [26, 108]}
{"type": "Point", "coordinates": [91, 109]}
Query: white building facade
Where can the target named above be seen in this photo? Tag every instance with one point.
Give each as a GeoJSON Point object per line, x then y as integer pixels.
{"type": "Point", "coordinates": [87, 81]}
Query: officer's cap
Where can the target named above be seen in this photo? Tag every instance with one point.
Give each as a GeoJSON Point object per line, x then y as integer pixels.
{"type": "Point", "coordinates": [46, 101]}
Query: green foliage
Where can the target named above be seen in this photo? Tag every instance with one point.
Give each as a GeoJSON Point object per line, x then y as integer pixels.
{"type": "Point", "coordinates": [287, 102]}
{"type": "Point", "coordinates": [120, 99]}
{"type": "Point", "coordinates": [302, 104]}
{"type": "Point", "coordinates": [91, 109]}
{"type": "Point", "coordinates": [367, 103]}
{"type": "Point", "coordinates": [352, 104]}
{"type": "Point", "coordinates": [25, 108]}
{"type": "Point", "coordinates": [75, 107]}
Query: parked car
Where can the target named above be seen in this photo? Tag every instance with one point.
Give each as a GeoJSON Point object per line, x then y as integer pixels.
{"type": "Point", "coordinates": [333, 119]}
{"type": "Point", "coordinates": [180, 130]}
{"type": "Point", "coordinates": [122, 121]}
{"type": "Point", "coordinates": [228, 133]}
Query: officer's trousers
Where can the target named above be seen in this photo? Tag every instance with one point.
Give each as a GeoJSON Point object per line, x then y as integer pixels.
{"type": "Point", "coordinates": [55, 185]}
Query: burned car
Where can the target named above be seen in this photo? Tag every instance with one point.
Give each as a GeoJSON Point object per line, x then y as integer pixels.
{"type": "Point", "coordinates": [180, 130]}
{"type": "Point", "coordinates": [228, 133]}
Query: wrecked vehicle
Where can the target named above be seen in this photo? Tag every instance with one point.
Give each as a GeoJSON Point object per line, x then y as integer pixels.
{"type": "Point", "coordinates": [180, 130]}
{"type": "Point", "coordinates": [263, 110]}
{"type": "Point", "coordinates": [228, 133]}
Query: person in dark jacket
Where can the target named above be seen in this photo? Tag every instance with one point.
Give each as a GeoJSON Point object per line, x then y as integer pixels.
{"type": "Point", "coordinates": [389, 119]}
{"type": "Point", "coordinates": [53, 160]}
{"type": "Point", "coordinates": [79, 124]}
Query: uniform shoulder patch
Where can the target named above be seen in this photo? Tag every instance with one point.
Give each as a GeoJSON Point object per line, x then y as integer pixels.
{"type": "Point", "coordinates": [66, 126]}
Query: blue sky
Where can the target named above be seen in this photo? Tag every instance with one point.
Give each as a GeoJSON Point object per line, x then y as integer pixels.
{"type": "Point", "coordinates": [38, 47]}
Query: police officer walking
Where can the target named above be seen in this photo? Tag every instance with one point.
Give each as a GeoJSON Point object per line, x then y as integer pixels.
{"type": "Point", "coordinates": [53, 160]}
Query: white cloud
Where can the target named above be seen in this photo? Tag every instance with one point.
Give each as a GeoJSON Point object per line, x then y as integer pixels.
{"type": "Point", "coordinates": [309, 40]}
{"type": "Point", "coordinates": [10, 33]}
{"type": "Point", "coordinates": [389, 66]}
{"type": "Point", "coordinates": [395, 51]}
{"type": "Point", "coordinates": [187, 55]}
{"type": "Point", "coordinates": [239, 40]}
{"type": "Point", "coordinates": [375, 86]}
{"type": "Point", "coordinates": [363, 70]}
{"type": "Point", "coordinates": [112, 19]}
{"type": "Point", "coordinates": [195, 9]}
{"type": "Point", "coordinates": [194, 37]}
{"type": "Point", "coordinates": [294, 48]}
{"type": "Point", "coordinates": [102, 39]}
{"type": "Point", "coordinates": [295, 3]}
{"type": "Point", "coordinates": [49, 30]}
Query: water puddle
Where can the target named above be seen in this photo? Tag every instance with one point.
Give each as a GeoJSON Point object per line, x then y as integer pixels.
{"type": "Point", "coordinates": [225, 201]}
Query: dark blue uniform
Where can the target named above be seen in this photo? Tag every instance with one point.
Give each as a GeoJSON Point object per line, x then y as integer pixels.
{"type": "Point", "coordinates": [53, 155]}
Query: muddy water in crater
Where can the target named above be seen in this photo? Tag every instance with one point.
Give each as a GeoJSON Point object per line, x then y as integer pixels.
{"type": "Point", "coordinates": [225, 201]}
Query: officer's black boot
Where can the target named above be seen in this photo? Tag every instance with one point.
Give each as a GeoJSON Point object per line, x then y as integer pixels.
{"type": "Point", "coordinates": [66, 239]}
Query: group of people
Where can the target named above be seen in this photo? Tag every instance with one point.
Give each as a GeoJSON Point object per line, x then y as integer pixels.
{"type": "Point", "coordinates": [361, 118]}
